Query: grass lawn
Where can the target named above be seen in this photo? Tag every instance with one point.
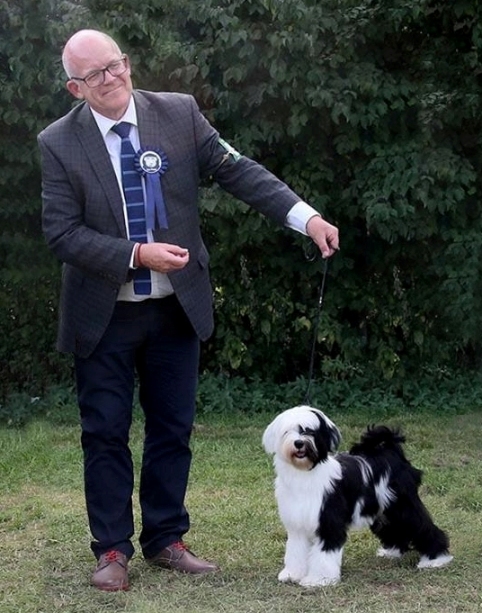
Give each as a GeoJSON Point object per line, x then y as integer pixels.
{"type": "Point", "coordinates": [44, 540]}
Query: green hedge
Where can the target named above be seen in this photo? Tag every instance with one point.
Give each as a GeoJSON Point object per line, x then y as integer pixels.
{"type": "Point", "coordinates": [369, 109]}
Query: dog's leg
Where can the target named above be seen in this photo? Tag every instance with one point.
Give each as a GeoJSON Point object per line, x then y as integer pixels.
{"type": "Point", "coordinates": [428, 539]}
{"type": "Point", "coordinates": [408, 524]}
{"type": "Point", "coordinates": [432, 544]}
{"type": "Point", "coordinates": [324, 567]}
{"type": "Point", "coordinates": [441, 560]}
{"type": "Point", "coordinates": [393, 539]}
{"type": "Point", "coordinates": [296, 558]}
{"type": "Point", "coordinates": [326, 552]}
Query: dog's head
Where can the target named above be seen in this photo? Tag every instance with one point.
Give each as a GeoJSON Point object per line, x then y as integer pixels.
{"type": "Point", "coordinates": [302, 436]}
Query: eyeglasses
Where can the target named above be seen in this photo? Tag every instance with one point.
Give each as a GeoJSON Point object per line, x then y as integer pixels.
{"type": "Point", "coordinates": [96, 78]}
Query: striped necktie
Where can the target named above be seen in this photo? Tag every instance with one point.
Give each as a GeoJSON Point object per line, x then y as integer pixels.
{"type": "Point", "coordinates": [134, 197]}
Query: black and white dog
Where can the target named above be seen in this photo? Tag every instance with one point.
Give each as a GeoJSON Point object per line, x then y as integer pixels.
{"type": "Point", "coordinates": [322, 495]}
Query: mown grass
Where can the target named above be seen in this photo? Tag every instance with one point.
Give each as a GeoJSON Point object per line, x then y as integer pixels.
{"type": "Point", "coordinates": [44, 539]}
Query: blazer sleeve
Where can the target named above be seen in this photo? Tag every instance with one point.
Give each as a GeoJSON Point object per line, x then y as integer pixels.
{"type": "Point", "coordinates": [241, 176]}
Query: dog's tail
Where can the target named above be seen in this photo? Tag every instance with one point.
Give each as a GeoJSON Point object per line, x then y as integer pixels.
{"type": "Point", "coordinates": [377, 439]}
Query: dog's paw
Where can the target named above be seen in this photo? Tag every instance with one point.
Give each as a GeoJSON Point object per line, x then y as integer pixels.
{"type": "Point", "coordinates": [438, 562]}
{"type": "Point", "coordinates": [393, 552]}
{"type": "Point", "coordinates": [311, 581]}
{"type": "Point", "coordinates": [288, 575]}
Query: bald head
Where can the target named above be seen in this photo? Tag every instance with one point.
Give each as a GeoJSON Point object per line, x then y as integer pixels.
{"type": "Point", "coordinates": [79, 47]}
{"type": "Point", "coordinates": [95, 55]}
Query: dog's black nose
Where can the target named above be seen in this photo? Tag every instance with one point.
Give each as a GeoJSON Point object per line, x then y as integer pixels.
{"type": "Point", "coordinates": [298, 444]}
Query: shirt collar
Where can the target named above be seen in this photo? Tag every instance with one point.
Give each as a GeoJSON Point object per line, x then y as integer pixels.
{"type": "Point", "coordinates": [105, 123]}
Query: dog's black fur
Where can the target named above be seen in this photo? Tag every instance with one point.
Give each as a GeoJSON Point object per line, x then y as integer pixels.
{"type": "Point", "coordinates": [406, 523]}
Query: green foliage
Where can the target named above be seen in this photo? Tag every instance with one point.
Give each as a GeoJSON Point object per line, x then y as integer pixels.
{"type": "Point", "coordinates": [369, 109]}
{"type": "Point", "coordinates": [342, 391]}
{"type": "Point", "coordinates": [361, 108]}
{"type": "Point", "coordinates": [31, 36]}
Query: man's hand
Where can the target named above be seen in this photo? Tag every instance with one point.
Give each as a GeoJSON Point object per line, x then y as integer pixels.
{"type": "Point", "coordinates": [162, 257]}
{"type": "Point", "coordinates": [324, 235]}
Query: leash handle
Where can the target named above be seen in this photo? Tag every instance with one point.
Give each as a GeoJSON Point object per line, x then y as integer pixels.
{"type": "Point", "coordinates": [307, 399]}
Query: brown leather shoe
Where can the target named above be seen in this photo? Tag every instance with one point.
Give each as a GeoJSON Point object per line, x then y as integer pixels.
{"type": "Point", "coordinates": [178, 557]}
{"type": "Point", "coordinates": [110, 574]}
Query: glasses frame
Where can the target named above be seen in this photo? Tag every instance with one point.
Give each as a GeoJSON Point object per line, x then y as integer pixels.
{"type": "Point", "coordinates": [102, 71]}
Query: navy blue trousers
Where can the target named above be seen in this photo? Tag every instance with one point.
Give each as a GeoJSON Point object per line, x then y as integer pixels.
{"type": "Point", "coordinates": [153, 342]}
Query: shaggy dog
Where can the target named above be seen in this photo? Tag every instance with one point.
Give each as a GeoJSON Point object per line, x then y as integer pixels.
{"type": "Point", "coordinates": [322, 495]}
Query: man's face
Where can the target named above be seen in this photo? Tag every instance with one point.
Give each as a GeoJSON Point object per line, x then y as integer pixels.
{"type": "Point", "coordinates": [111, 98]}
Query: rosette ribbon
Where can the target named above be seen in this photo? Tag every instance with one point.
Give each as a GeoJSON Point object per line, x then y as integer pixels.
{"type": "Point", "coordinates": [152, 164]}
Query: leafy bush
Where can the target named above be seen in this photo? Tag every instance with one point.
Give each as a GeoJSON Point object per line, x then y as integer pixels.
{"type": "Point", "coordinates": [362, 109]}
{"type": "Point", "coordinates": [31, 96]}
{"type": "Point", "coordinates": [433, 391]}
{"type": "Point", "coordinates": [370, 110]}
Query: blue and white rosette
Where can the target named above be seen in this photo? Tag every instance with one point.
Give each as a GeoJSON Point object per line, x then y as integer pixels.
{"type": "Point", "coordinates": [151, 164]}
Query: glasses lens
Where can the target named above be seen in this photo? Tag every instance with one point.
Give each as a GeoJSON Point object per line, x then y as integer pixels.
{"type": "Point", "coordinates": [95, 79]}
{"type": "Point", "coordinates": [117, 68]}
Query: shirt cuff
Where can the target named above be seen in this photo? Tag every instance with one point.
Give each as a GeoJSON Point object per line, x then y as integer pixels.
{"type": "Point", "coordinates": [299, 215]}
{"type": "Point", "coordinates": [133, 254]}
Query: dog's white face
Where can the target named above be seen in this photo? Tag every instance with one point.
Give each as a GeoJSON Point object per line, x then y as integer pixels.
{"type": "Point", "coordinates": [302, 436]}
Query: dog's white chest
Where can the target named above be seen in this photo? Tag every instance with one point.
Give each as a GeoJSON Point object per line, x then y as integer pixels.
{"type": "Point", "coordinates": [300, 495]}
{"type": "Point", "coordinates": [299, 514]}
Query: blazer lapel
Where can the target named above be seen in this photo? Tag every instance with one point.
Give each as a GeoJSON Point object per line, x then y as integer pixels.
{"type": "Point", "coordinates": [148, 121]}
{"type": "Point", "coordinates": [91, 140]}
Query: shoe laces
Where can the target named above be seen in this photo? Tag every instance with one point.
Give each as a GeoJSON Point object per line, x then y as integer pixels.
{"type": "Point", "coordinates": [179, 545]}
{"type": "Point", "coordinates": [112, 556]}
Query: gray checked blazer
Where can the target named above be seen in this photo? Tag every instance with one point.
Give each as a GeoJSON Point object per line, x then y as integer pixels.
{"type": "Point", "coordinates": [83, 219]}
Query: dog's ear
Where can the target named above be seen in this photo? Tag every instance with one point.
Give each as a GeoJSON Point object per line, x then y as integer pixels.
{"type": "Point", "coordinates": [269, 437]}
{"type": "Point", "coordinates": [334, 435]}
{"type": "Point", "coordinates": [335, 438]}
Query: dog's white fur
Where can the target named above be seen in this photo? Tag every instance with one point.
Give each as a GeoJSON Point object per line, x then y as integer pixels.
{"type": "Point", "coordinates": [308, 484]}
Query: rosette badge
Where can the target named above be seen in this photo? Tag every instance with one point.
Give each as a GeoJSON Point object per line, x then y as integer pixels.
{"type": "Point", "coordinates": [152, 164]}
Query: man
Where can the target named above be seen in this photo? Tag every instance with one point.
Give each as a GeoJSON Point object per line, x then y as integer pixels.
{"type": "Point", "coordinates": [136, 296]}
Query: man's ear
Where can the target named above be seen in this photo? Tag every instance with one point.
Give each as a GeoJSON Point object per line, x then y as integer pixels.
{"type": "Point", "coordinates": [74, 88]}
